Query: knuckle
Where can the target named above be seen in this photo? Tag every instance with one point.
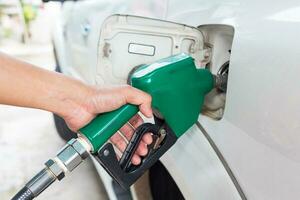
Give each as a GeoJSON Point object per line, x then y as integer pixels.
{"type": "Point", "coordinates": [127, 87]}
{"type": "Point", "coordinates": [146, 97]}
{"type": "Point", "coordinates": [121, 145]}
{"type": "Point", "coordinates": [149, 98]}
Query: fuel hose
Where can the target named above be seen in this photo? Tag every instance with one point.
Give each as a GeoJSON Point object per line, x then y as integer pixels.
{"type": "Point", "coordinates": [70, 156]}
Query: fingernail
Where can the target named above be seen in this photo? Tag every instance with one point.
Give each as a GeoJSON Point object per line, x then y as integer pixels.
{"type": "Point", "coordinates": [136, 160]}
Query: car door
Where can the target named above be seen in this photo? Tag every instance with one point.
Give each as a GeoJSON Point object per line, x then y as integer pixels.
{"type": "Point", "coordinates": [78, 33]}
{"type": "Point", "coordinates": [129, 41]}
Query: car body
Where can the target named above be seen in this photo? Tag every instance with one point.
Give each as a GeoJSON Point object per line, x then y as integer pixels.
{"type": "Point", "coordinates": [247, 148]}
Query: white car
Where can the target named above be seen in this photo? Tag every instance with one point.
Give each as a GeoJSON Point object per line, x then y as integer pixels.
{"type": "Point", "coordinates": [246, 148]}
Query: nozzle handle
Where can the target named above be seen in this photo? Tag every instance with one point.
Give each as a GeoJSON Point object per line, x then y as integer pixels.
{"type": "Point", "coordinates": [100, 129]}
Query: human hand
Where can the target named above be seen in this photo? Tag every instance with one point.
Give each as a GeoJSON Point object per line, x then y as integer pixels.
{"type": "Point", "coordinates": [69, 98]}
{"type": "Point", "coordinates": [100, 100]}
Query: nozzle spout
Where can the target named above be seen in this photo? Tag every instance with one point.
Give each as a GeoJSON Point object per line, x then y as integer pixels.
{"type": "Point", "coordinates": [220, 82]}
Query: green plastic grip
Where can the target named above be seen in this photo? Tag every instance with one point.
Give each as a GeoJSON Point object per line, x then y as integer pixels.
{"type": "Point", "coordinates": [100, 129]}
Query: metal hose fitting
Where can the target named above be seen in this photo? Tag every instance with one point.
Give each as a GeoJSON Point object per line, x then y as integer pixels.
{"type": "Point", "coordinates": [222, 77]}
{"type": "Point", "coordinates": [68, 158]}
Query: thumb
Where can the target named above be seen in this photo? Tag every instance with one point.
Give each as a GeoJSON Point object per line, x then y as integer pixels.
{"type": "Point", "coordinates": [140, 98]}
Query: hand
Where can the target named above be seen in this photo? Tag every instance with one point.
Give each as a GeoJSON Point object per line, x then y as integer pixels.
{"type": "Point", "coordinates": [100, 100]}
{"type": "Point", "coordinates": [69, 98]}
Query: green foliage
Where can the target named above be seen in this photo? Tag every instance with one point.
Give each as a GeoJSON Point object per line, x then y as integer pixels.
{"type": "Point", "coordinates": [30, 12]}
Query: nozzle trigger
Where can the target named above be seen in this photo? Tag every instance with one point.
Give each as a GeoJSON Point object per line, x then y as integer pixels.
{"type": "Point", "coordinates": [123, 171]}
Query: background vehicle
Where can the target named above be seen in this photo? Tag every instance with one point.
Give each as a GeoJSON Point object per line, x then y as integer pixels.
{"type": "Point", "coordinates": [246, 148]}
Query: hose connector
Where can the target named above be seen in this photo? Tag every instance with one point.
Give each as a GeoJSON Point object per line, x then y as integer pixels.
{"type": "Point", "coordinates": [68, 158]}
{"type": "Point", "coordinates": [71, 155]}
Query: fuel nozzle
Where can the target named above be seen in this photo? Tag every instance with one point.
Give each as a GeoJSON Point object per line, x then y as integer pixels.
{"type": "Point", "coordinates": [68, 158]}
{"type": "Point", "coordinates": [177, 89]}
{"type": "Point", "coordinates": [220, 82]}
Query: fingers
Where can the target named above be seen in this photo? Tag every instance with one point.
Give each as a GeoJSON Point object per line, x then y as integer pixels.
{"type": "Point", "coordinates": [142, 149]}
{"type": "Point", "coordinates": [107, 99]}
{"type": "Point", "coordinates": [121, 140]}
{"type": "Point", "coordinates": [120, 143]}
{"type": "Point", "coordinates": [140, 98]}
{"type": "Point", "coordinates": [136, 160]}
{"type": "Point", "coordinates": [136, 121]}
{"type": "Point", "coordinates": [147, 138]}
{"type": "Point", "coordinates": [128, 131]}
{"type": "Point", "coordinates": [146, 110]}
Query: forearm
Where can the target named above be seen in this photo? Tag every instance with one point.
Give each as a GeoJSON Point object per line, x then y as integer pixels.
{"type": "Point", "coordinates": [22, 84]}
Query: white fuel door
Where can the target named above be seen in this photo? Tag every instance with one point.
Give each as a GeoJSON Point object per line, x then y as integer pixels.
{"type": "Point", "coordinates": [129, 41]}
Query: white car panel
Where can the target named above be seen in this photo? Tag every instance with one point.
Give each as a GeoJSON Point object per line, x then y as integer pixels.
{"type": "Point", "coordinates": [59, 39]}
{"type": "Point", "coordinates": [106, 180]}
{"type": "Point", "coordinates": [197, 169]}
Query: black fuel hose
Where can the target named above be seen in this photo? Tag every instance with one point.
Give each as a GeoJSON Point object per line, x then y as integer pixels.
{"type": "Point", "coordinates": [23, 194]}
{"type": "Point", "coordinates": [68, 158]}
{"type": "Point", "coordinates": [36, 185]}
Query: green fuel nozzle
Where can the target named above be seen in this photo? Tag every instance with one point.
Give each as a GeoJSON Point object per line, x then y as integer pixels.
{"type": "Point", "coordinates": [177, 88]}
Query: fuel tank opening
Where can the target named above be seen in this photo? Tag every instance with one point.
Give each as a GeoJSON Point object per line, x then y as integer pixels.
{"type": "Point", "coordinates": [217, 38]}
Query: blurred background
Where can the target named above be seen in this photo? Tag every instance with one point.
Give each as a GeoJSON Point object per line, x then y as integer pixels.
{"type": "Point", "coordinates": [28, 136]}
